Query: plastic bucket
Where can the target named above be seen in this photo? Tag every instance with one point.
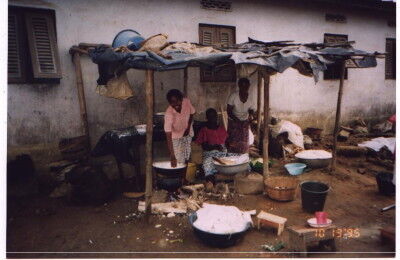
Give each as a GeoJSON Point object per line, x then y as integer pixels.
{"type": "Point", "coordinates": [295, 168]}
{"type": "Point", "coordinates": [385, 184]}
{"type": "Point", "coordinates": [313, 195]}
{"type": "Point", "coordinates": [129, 38]}
{"type": "Point", "coordinates": [191, 172]}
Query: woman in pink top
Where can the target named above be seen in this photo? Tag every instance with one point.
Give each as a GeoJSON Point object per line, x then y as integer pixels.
{"type": "Point", "coordinates": [178, 126]}
{"type": "Point", "coordinates": [212, 138]}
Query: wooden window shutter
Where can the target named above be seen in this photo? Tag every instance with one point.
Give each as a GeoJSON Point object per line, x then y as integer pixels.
{"type": "Point", "coordinates": [43, 45]}
{"type": "Point", "coordinates": [208, 36]}
{"type": "Point", "coordinates": [227, 37]}
{"type": "Point", "coordinates": [221, 36]}
{"type": "Point", "coordinates": [333, 71]}
{"type": "Point", "coordinates": [15, 64]}
{"type": "Point", "coordinates": [390, 59]}
{"type": "Point", "coordinates": [228, 72]}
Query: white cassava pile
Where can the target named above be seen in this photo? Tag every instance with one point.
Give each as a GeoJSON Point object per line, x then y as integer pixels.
{"type": "Point", "coordinates": [314, 154]}
{"type": "Point", "coordinates": [234, 160]}
{"type": "Point", "coordinates": [220, 219]}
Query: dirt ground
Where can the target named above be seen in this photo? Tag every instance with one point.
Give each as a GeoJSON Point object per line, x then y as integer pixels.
{"type": "Point", "coordinates": [44, 227]}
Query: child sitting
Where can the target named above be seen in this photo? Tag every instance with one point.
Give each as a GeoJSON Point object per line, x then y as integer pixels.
{"type": "Point", "coordinates": [212, 138]}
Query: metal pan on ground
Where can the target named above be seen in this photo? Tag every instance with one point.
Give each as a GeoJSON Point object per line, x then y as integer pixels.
{"type": "Point", "coordinates": [314, 158]}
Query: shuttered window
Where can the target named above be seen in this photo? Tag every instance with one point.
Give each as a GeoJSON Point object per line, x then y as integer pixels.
{"type": "Point", "coordinates": [333, 71]}
{"type": "Point", "coordinates": [32, 46]}
{"type": "Point", "coordinates": [220, 36]}
{"type": "Point", "coordinates": [16, 59]}
{"type": "Point", "coordinates": [390, 59]}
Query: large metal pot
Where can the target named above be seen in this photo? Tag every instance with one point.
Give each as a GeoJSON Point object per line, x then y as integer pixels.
{"type": "Point", "coordinates": [158, 119]}
{"type": "Point", "coordinates": [168, 183]}
{"type": "Point", "coordinates": [163, 168]}
{"type": "Point", "coordinates": [231, 169]}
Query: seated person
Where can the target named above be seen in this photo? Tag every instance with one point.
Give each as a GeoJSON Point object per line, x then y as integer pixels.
{"type": "Point", "coordinates": [212, 138]}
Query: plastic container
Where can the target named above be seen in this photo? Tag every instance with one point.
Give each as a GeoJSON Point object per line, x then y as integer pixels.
{"type": "Point", "coordinates": [191, 172]}
{"type": "Point", "coordinates": [313, 195]}
{"type": "Point", "coordinates": [295, 168]}
{"type": "Point", "coordinates": [216, 240]}
{"type": "Point", "coordinates": [281, 188]}
{"type": "Point", "coordinates": [128, 38]}
{"type": "Point", "coordinates": [385, 184]}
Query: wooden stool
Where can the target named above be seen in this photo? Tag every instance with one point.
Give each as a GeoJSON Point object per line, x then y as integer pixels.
{"type": "Point", "coordinates": [300, 237]}
{"type": "Point", "coordinates": [271, 220]}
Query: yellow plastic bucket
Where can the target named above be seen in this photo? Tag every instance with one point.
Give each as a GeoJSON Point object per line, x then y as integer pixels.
{"type": "Point", "coordinates": [191, 172]}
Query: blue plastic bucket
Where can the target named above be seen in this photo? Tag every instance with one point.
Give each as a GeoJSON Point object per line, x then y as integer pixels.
{"type": "Point", "coordinates": [128, 38]}
{"type": "Point", "coordinates": [295, 168]}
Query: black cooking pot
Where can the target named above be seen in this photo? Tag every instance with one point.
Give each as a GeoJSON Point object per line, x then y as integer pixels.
{"type": "Point", "coordinates": [170, 172]}
{"type": "Point", "coordinates": [169, 184]}
{"type": "Point", "coordinates": [216, 240]}
{"type": "Point", "coordinates": [158, 119]}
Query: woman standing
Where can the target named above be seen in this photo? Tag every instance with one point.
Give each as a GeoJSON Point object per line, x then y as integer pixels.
{"type": "Point", "coordinates": [240, 107]}
{"type": "Point", "coordinates": [178, 126]}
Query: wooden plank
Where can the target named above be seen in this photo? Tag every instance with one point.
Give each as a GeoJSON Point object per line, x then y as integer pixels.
{"type": "Point", "coordinates": [185, 82]}
{"type": "Point", "coordinates": [149, 139]}
{"type": "Point", "coordinates": [259, 101]}
{"type": "Point", "coordinates": [74, 49]}
{"type": "Point", "coordinates": [224, 115]}
{"type": "Point", "coordinates": [81, 95]}
{"type": "Point", "coordinates": [338, 112]}
{"type": "Point", "coordinates": [92, 45]}
{"type": "Point", "coordinates": [266, 125]}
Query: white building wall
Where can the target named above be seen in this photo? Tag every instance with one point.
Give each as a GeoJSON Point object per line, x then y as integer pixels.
{"type": "Point", "coordinates": [44, 113]}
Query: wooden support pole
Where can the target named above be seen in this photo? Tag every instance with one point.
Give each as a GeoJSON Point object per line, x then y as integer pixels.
{"type": "Point", "coordinates": [259, 101]}
{"type": "Point", "coordinates": [81, 95]}
{"type": "Point", "coordinates": [185, 82]}
{"type": "Point", "coordinates": [149, 139]}
{"type": "Point", "coordinates": [266, 126]}
{"type": "Point", "coordinates": [338, 112]}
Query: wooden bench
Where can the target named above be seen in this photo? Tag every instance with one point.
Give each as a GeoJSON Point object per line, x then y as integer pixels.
{"type": "Point", "coordinates": [270, 220]}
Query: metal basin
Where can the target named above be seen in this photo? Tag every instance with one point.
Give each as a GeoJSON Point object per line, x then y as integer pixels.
{"type": "Point", "coordinates": [231, 169]}
{"type": "Point", "coordinates": [316, 163]}
{"type": "Point", "coordinates": [314, 158]}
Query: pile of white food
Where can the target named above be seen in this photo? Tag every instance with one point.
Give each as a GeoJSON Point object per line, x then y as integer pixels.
{"type": "Point", "coordinates": [219, 219]}
{"type": "Point", "coordinates": [314, 154]}
{"type": "Point", "coordinates": [236, 159]}
{"type": "Point", "coordinates": [167, 165]}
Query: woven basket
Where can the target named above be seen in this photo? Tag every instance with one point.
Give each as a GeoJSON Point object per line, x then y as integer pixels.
{"type": "Point", "coordinates": [281, 188]}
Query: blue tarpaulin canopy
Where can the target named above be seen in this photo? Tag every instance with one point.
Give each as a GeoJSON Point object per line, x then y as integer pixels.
{"type": "Point", "coordinates": [309, 59]}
